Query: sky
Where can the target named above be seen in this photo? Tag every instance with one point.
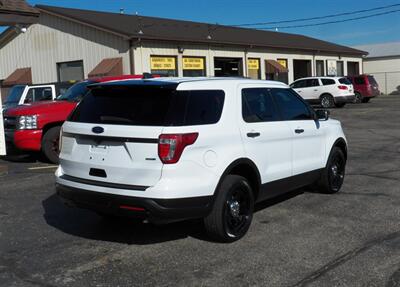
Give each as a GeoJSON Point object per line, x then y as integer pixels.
{"type": "Point", "coordinates": [379, 29]}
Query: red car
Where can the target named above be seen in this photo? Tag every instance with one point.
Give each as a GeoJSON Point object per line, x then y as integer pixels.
{"type": "Point", "coordinates": [36, 127]}
{"type": "Point", "coordinates": [365, 88]}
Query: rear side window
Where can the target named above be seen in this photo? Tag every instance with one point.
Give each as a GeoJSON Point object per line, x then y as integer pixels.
{"type": "Point", "coordinates": [359, 81]}
{"type": "Point", "coordinates": [189, 108]}
{"type": "Point", "coordinates": [149, 106]}
{"type": "Point", "coordinates": [344, 81]}
{"type": "Point", "coordinates": [298, 84]}
{"type": "Point", "coordinates": [257, 106]}
{"type": "Point", "coordinates": [327, 82]}
{"type": "Point", "coordinates": [291, 106]}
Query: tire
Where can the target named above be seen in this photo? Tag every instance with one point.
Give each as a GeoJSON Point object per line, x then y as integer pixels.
{"type": "Point", "coordinates": [357, 98]}
{"type": "Point", "coordinates": [232, 212]}
{"type": "Point", "coordinates": [365, 100]}
{"type": "Point", "coordinates": [50, 144]}
{"type": "Point", "coordinates": [341, 105]}
{"type": "Point", "coordinates": [327, 101]}
{"type": "Point", "coordinates": [332, 176]}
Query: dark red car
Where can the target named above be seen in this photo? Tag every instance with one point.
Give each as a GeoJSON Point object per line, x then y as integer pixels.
{"type": "Point", "coordinates": [36, 127]}
{"type": "Point", "coordinates": [365, 88]}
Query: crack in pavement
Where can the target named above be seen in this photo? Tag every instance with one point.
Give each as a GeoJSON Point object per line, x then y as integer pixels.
{"type": "Point", "coordinates": [347, 257]}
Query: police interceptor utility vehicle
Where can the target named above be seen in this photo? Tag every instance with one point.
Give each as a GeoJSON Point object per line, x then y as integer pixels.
{"type": "Point", "coordinates": [181, 148]}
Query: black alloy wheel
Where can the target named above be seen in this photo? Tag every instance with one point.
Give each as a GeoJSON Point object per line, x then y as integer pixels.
{"type": "Point", "coordinates": [237, 211]}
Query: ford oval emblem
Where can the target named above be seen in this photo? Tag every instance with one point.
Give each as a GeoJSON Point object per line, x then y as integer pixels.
{"type": "Point", "coordinates": [98, 130]}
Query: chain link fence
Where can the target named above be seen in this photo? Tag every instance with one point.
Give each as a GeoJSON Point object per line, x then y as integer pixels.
{"type": "Point", "coordinates": [389, 82]}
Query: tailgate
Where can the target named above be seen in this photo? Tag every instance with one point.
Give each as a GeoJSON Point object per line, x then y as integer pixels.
{"type": "Point", "coordinates": [125, 155]}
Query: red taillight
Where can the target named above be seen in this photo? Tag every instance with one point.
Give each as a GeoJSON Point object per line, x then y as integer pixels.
{"type": "Point", "coordinates": [171, 146]}
{"type": "Point", "coordinates": [132, 208]}
{"type": "Point", "coordinates": [343, 87]}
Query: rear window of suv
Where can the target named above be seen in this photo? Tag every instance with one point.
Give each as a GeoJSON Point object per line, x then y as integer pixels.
{"type": "Point", "coordinates": [372, 81]}
{"type": "Point", "coordinates": [344, 81]}
{"type": "Point", "coordinates": [149, 106]}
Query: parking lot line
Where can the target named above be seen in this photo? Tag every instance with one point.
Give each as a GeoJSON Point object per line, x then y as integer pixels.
{"type": "Point", "coordinates": [43, 167]}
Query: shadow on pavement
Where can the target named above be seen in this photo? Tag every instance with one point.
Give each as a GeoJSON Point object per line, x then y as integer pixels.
{"type": "Point", "coordinates": [87, 224]}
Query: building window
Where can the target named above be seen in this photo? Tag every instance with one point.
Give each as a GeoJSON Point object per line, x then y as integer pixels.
{"type": "Point", "coordinates": [228, 67]}
{"type": "Point", "coordinates": [283, 76]}
{"type": "Point", "coordinates": [353, 69]}
{"type": "Point", "coordinates": [253, 68]}
{"type": "Point", "coordinates": [193, 66]}
{"type": "Point", "coordinates": [320, 69]}
{"type": "Point", "coordinates": [164, 66]}
{"type": "Point", "coordinates": [70, 71]}
{"type": "Point", "coordinates": [276, 70]}
{"type": "Point", "coordinates": [340, 68]}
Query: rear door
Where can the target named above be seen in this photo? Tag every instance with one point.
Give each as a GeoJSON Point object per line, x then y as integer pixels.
{"type": "Point", "coordinates": [311, 90]}
{"type": "Point", "coordinates": [267, 139]}
{"type": "Point", "coordinates": [112, 136]}
{"type": "Point", "coordinates": [307, 134]}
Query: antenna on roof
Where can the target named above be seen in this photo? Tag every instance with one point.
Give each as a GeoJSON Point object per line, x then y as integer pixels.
{"type": "Point", "coordinates": [121, 11]}
{"type": "Point", "coordinates": [140, 26]}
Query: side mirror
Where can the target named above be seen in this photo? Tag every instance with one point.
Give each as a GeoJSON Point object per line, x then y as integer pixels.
{"type": "Point", "coordinates": [322, 115]}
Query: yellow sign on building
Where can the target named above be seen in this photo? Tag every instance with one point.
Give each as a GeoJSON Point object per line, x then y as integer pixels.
{"type": "Point", "coordinates": [162, 63]}
{"type": "Point", "coordinates": [253, 64]}
{"type": "Point", "coordinates": [283, 62]}
{"type": "Point", "coordinates": [193, 63]}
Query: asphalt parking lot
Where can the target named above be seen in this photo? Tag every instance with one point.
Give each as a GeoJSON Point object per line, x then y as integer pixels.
{"type": "Point", "coordinates": [302, 239]}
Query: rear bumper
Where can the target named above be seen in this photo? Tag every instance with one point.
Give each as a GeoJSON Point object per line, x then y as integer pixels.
{"type": "Point", "coordinates": [155, 210]}
{"type": "Point", "coordinates": [27, 140]}
{"type": "Point", "coordinates": [344, 99]}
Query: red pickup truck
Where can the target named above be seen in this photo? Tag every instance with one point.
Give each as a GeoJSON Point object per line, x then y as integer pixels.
{"type": "Point", "coordinates": [36, 127]}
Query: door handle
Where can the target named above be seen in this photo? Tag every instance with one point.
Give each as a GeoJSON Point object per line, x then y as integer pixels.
{"type": "Point", "coordinates": [316, 90]}
{"type": "Point", "coordinates": [253, 135]}
{"type": "Point", "coordinates": [299, 131]}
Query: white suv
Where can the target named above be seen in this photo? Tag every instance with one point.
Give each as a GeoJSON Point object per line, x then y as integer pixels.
{"type": "Point", "coordinates": [175, 149]}
{"type": "Point", "coordinates": [326, 91]}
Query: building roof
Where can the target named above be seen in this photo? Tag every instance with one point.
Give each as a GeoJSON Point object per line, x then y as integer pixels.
{"type": "Point", "coordinates": [14, 12]}
{"type": "Point", "coordinates": [152, 28]}
{"type": "Point", "coordinates": [19, 6]}
{"type": "Point", "coordinates": [381, 49]}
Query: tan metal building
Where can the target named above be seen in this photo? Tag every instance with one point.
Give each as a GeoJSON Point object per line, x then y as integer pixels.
{"type": "Point", "coordinates": [383, 62]}
{"type": "Point", "coordinates": [71, 44]}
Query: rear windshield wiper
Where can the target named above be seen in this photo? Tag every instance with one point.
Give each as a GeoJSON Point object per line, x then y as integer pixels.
{"type": "Point", "coordinates": [111, 119]}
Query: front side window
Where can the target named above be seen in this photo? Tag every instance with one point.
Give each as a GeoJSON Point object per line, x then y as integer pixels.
{"type": "Point", "coordinates": [39, 94]}
{"type": "Point", "coordinates": [70, 71]}
{"type": "Point", "coordinates": [257, 106]}
{"type": "Point", "coordinates": [291, 106]}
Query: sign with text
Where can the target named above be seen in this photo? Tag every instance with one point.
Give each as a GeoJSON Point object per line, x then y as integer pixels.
{"type": "Point", "coordinates": [332, 67]}
{"type": "Point", "coordinates": [2, 136]}
{"type": "Point", "coordinates": [253, 64]}
{"type": "Point", "coordinates": [282, 62]}
{"type": "Point", "coordinates": [193, 63]}
{"type": "Point", "coordinates": [162, 63]}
